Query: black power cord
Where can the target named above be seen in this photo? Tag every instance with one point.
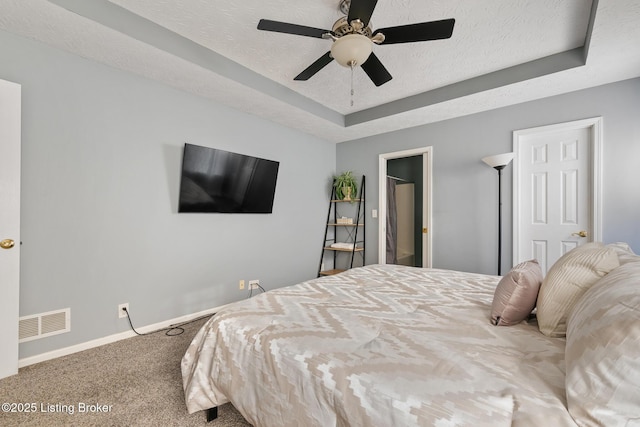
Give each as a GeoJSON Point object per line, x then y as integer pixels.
{"type": "Point", "coordinates": [252, 287]}
{"type": "Point", "coordinates": [171, 330]}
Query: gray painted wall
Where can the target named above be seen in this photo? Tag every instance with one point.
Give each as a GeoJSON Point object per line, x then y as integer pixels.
{"type": "Point", "coordinates": [465, 189]}
{"type": "Point", "coordinates": [101, 158]}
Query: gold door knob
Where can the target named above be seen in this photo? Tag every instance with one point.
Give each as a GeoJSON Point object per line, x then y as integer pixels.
{"type": "Point", "coordinates": [581, 233]}
{"type": "Point", "coordinates": [7, 244]}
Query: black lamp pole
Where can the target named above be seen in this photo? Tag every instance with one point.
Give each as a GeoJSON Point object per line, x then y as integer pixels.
{"type": "Point", "coordinates": [499, 169]}
{"type": "Point", "coordinates": [499, 162]}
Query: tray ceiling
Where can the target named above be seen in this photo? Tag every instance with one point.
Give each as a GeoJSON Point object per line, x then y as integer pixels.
{"type": "Point", "coordinates": [502, 52]}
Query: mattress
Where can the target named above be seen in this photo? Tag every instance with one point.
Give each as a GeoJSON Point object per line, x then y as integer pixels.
{"type": "Point", "coordinates": [380, 345]}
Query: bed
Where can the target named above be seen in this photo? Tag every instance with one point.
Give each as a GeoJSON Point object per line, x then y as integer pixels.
{"type": "Point", "coordinates": [388, 345]}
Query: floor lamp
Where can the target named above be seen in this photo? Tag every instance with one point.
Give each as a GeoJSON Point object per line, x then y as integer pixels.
{"type": "Point", "coordinates": [499, 162]}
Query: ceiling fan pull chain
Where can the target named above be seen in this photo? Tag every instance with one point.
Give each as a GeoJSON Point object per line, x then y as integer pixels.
{"type": "Point", "coordinates": [352, 67]}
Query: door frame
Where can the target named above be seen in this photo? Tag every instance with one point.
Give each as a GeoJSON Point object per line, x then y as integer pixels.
{"type": "Point", "coordinates": [427, 163]}
{"type": "Point", "coordinates": [594, 125]}
{"type": "Point", "coordinates": [10, 135]}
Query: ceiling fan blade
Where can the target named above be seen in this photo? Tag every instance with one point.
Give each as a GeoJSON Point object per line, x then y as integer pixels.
{"type": "Point", "coordinates": [375, 70]}
{"type": "Point", "coordinates": [425, 31]}
{"type": "Point", "coordinates": [284, 27]}
{"type": "Point", "coordinates": [362, 10]}
{"type": "Point", "coordinates": [312, 69]}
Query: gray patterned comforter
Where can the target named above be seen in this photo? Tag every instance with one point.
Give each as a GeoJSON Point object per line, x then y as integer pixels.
{"type": "Point", "coordinates": [381, 345]}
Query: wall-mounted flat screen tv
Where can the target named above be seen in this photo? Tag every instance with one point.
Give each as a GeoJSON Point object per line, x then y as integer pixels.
{"type": "Point", "coordinates": [219, 181]}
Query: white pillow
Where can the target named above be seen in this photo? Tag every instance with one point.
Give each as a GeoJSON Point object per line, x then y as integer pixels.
{"type": "Point", "coordinates": [625, 253]}
{"type": "Point", "coordinates": [570, 276]}
{"type": "Point", "coordinates": [603, 352]}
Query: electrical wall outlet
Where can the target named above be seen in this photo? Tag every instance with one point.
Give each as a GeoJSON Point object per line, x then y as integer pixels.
{"type": "Point", "coordinates": [254, 284]}
{"type": "Point", "coordinates": [121, 310]}
{"type": "Point", "coordinates": [241, 285]}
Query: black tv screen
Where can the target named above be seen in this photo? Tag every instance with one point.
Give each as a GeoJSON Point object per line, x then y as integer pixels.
{"type": "Point", "coordinates": [219, 181]}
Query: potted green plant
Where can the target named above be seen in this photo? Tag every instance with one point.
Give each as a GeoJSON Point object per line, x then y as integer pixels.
{"type": "Point", "coordinates": [346, 186]}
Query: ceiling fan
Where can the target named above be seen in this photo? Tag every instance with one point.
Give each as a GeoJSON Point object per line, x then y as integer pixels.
{"type": "Point", "coordinates": [353, 38]}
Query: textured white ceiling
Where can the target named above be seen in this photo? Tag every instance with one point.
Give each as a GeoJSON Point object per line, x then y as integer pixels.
{"type": "Point", "coordinates": [488, 36]}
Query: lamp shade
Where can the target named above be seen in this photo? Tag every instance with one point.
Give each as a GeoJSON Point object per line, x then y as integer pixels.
{"type": "Point", "coordinates": [499, 160]}
{"type": "Point", "coordinates": [351, 50]}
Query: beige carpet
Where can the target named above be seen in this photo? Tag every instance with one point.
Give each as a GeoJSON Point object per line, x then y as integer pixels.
{"type": "Point", "coordinates": [137, 381]}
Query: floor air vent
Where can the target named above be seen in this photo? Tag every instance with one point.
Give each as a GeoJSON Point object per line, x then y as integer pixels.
{"type": "Point", "coordinates": [44, 325]}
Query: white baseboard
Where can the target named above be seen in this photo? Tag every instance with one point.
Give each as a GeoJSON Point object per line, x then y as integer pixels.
{"type": "Point", "coordinates": [112, 338]}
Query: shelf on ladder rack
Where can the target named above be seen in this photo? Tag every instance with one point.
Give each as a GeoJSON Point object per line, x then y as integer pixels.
{"type": "Point", "coordinates": [353, 231]}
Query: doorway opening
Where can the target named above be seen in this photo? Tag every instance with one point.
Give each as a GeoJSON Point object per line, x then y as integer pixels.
{"type": "Point", "coordinates": [404, 207]}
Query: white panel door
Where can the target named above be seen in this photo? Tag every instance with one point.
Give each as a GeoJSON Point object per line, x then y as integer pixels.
{"type": "Point", "coordinates": [9, 226]}
{"type": "Point", "coordinates": [554, 192]}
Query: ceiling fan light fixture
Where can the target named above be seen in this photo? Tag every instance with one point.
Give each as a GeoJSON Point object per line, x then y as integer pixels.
{"type": "Point", "coordinates": [353, 40]}
{"type": "Point", "coordinates": [351, 50]}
